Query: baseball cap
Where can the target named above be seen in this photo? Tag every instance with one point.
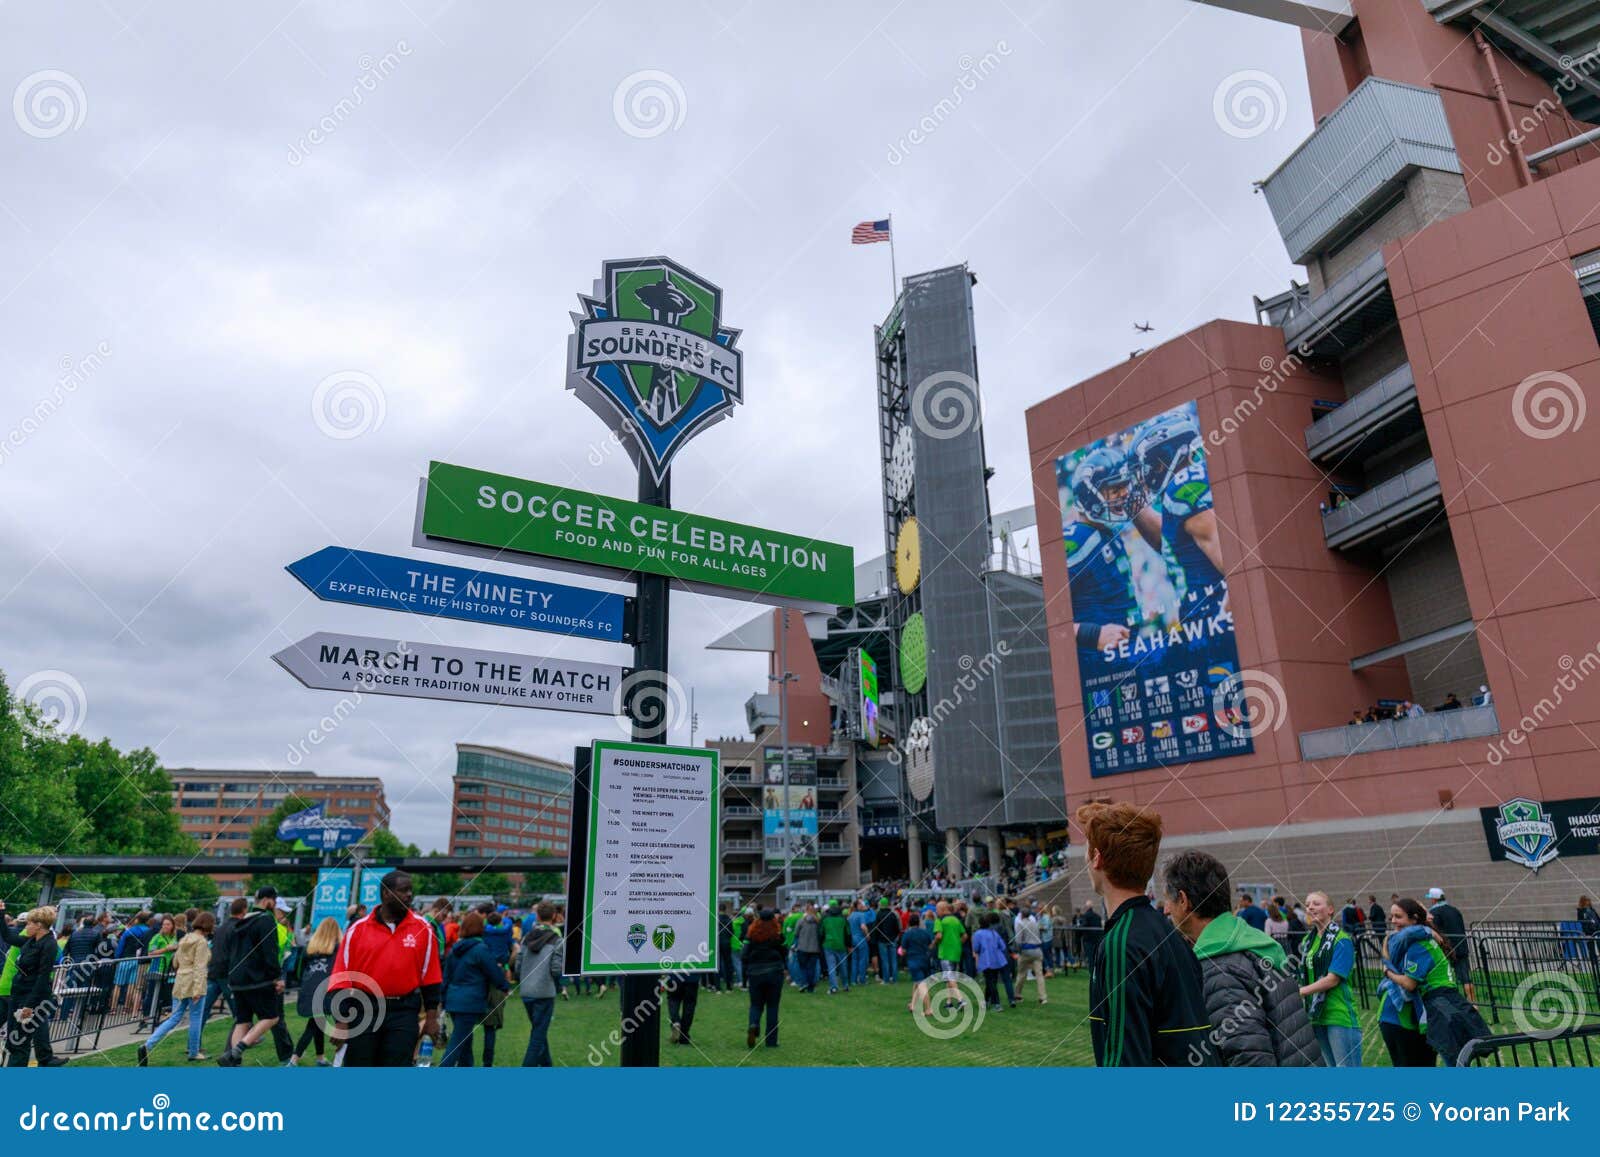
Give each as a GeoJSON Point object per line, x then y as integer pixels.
{"type": "Point", "coordinates": [883, 903]}
{"type": "Point", "coordinates": [1436, 893]}
{"type": "Point", "coordinates": [283, 906]}
{"type": "Point", "coordinates": [266, 892]}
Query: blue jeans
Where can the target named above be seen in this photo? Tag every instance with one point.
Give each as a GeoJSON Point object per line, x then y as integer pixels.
{"type": "Point", "coordinates": [738, 969]}
{"type": "Point", "coordinates": [838, 961]}
{"type": "Point", "coordinates": [458, 1051]}
{"type": "Point", "coordinates": [860, 953]}
{"type": "Point", "coordinates": [540, 1010]}
{"type": "Point", "coordinates": [189, 1006]}
{"type": "Point", "coordinates": [215, 989]}
{"type": "Point", "coordinates": [1341, 1046]}
{"type": "Point", "coordinates": [888, 964]}
{"type": "Point", "coordinates": [810, 966]}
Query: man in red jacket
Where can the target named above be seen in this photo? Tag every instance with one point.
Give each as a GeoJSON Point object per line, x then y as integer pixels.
{"type": "Point", "coordinates": [387, 971]}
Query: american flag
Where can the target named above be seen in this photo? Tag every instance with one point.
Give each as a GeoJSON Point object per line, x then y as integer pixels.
{"type": "Point", "coordinates": [869, 231]}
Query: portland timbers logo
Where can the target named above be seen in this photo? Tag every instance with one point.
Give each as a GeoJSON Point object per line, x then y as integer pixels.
{"type": "Point", "coordinates": [636, 936]}
{"type": "Point", "coordinates": [651, 356]}
{"type": "Point", "coordinates": [663, 937]}
{"type": "Point", "coordinates": [1526, 833]}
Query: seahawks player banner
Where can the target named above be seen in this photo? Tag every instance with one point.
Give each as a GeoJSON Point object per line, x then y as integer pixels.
{"type": "Point", "coordinates": [789, 815]}
{"type": "Point", "coordinates": [1156, 652]}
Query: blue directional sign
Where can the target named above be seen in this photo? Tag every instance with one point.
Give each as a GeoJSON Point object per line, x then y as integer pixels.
{"type": "Point", "coordinates": [339, 575]}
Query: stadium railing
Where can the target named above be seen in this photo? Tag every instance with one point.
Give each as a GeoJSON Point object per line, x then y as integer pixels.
{"type": "Point", "coordinates": [1578, 1046]}
{"type": "Point", "coordinates": [1390, 734]}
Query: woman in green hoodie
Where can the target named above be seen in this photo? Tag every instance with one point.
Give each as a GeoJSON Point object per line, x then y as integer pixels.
{"type": "Point", "coordinates": [1252, 997]}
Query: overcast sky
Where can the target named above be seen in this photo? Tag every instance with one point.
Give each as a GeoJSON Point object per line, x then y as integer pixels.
{"type": "Point", "coordinates": [209, 210]}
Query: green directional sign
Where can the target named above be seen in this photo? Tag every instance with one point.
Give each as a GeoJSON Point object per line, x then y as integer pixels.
{"type": "Point", "coordinates": [599, 534]}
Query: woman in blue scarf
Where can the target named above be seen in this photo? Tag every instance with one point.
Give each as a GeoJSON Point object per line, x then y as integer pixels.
{"type": "Point", "coordinates": [1401, 1018]}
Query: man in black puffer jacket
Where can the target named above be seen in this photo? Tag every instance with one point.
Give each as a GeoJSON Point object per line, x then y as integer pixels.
{"type": "Point", "coordinates": [1253, 998]}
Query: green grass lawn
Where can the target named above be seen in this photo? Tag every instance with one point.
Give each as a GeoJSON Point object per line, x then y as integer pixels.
{"type": "Point", "coordinates": [867, 1026]}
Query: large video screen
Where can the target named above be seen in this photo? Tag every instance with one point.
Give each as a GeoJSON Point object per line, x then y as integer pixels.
{"type": "Point", "coordinates": [1157, 658]}
{"type": "Point", "coordinates": [869, 699]}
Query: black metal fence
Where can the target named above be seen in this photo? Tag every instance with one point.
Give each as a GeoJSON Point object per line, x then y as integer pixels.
{"type": "Point", "coordinates": [1577, 1047]}
{"type": "Point", "coordinates": [1543, 975]}
{"type": "Point", "coordinates": [87, 997]}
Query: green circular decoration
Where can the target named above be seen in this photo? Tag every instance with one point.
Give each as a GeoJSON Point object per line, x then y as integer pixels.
{"type": "Point", "coordinates": [913, 654]}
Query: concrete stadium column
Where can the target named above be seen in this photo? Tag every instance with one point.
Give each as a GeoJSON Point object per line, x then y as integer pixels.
{"type": "Point", "coordinates": [914, 854]}
{"type": "Point", "coordinates": [952, 854]}
{"type": "Point", "coordinates": [997, 850]}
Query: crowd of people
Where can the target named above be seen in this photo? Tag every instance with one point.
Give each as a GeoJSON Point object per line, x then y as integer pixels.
{"type": "Point", "coordinates": [1406, 709]}
{"type": "Point", "coordinates": [1199, 977]}
{"type": "Point", "coordinates": [1189, 973]}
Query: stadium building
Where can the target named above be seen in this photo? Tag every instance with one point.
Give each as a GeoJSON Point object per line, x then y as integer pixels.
{"type": "Point", "coordinates": [1392, 469]}
{"type": "Point", "coordinates": [923, 712]}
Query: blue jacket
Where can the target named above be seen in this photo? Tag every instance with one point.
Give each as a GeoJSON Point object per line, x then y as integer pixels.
{"type": "Point", "coordinates": [469, 970]}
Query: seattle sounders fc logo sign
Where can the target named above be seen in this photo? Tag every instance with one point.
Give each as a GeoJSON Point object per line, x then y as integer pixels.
{"type": "Point", "coordinates": [652, 357]}
{"type": "Point", "coordinates": [1526, 833]}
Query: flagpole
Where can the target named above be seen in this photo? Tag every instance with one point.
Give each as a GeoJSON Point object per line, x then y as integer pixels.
{"type": "Point", "coordinates": [894, 274]}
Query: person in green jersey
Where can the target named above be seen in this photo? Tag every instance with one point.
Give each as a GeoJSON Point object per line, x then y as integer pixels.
{"type": "Point", "coordinates": [1329, 957]}
{"type": "Point", "coordinates": [949, 939]}
{"type": "Point", "coordinates": [1401, 1013]}
{"type": "Point", "coordinates": [736, 946]}
{"type": "Point", "coordinates": [1425, 970]}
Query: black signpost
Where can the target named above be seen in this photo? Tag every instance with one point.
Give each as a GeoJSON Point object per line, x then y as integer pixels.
{"type": "Point", "coordinates": [646, 708]}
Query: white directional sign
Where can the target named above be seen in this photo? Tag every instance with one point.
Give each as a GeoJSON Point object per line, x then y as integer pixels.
{"type": "Point", "coordinates": [332, 662]}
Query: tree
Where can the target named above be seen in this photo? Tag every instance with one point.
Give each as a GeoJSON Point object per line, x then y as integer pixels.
{"type": "Point", "coordinates": [382, 844]}
{"type": "Point", "coordinates": [488, 884]}
{"type": "Point", "coordinates": [537, 884]}
{"type": "Point", "coordinates": [438, 883]}
{"type": "Point", "coordinates": [65, 794]}
{"type": "Point", "coordinates": [264, 841]}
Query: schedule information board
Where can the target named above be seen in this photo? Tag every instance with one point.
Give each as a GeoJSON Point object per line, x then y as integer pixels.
{"type": "Point", "coordinates": [650, 884]}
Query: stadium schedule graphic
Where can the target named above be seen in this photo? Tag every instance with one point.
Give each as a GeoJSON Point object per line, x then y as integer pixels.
{"type": "Point", "coordinates": [1157, 659]}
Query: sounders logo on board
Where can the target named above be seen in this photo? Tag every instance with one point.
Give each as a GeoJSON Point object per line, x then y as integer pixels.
{"type": "Point", "coordinates": [1526, 833]}
{"type": "Point", "coordinates": [651, 356]}
{"type": "Point", "coordinates": [636, 936]}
